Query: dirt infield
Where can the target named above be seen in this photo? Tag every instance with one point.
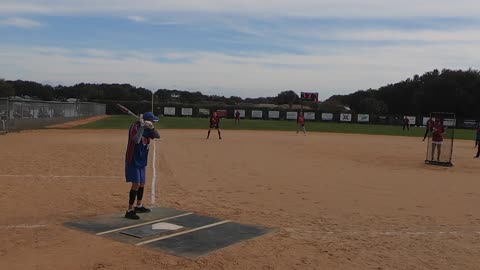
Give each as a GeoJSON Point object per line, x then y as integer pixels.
{"type": "Point", "coordinates": [80, 122]}
{"type": "Point", "coordinates": [338, 201]}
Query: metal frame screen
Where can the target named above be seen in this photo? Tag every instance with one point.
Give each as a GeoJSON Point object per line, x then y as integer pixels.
{"type": "Point", "coordinates": [441, 154]}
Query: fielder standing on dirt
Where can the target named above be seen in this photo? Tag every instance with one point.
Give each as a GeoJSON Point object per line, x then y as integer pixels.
{"type": "Point", "coordinates": [136, 159]}
{"type": "Point", "coordinates": [215, 124]}
{"type": "Point", "coordinates": [301, 123]}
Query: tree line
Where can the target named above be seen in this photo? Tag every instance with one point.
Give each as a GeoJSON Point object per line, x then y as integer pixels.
{"type": "Point", "coordinates": [456, 91]}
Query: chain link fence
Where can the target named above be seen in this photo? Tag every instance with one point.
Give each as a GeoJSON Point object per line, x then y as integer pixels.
{"type": "Point", "coordinates": [3, 115]}
{"type": "Point", "coordinates": [19, 114]}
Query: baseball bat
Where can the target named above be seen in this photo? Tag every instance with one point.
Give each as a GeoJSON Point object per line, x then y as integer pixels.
{"type": "Point", "coordinates": [125, 110]}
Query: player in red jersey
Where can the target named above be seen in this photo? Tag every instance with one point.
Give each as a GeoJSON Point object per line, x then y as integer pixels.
{"type": "Point", "coordinates": [301, 123]}
{"type": "Point", "coordinates": [214, 123]}
{"type": "Point", "coordinates": [438, 131]}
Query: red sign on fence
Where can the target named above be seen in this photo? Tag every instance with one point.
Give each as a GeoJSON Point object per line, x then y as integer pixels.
{"type": "Point", "coordinates": [222, 113]}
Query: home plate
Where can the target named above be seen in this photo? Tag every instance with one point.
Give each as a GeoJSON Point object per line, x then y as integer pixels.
{"type": "Point", "coordinates": [151, 229]}
{"type": "Point", "coordinates": [165, 226]}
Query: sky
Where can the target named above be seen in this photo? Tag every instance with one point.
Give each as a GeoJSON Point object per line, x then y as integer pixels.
{"type": "Point", "coordinates": [248, 48]}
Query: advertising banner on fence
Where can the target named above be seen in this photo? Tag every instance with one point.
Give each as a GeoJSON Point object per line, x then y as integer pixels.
{"type": "Point", "coordinates": [242, 113]}
{"type": "Point", "coordinates": [204, 112]}
{"type": "Point", "coordinates": [469, 124]}
{"type": "Point", "coordinates": [257, 114]}
{"type": "Point", "coordinates": [309, 115]}
{"type": "Point", "coordinates": [169, 111]}
{"type": "Point", "coordinates": [363, 118]}
{"type": "Point", "coordinates": [327, 116]}
{"type": "Point", "coordinates": [187, 111]}
{"type": "Point", "coordinates": [449, 122]}
{"type": "Point", "coordinates": [273, 114]}
{"type": "Point", "coordinates": [345, 117]}
{"type": "Point", "coordinates": [292, 115]}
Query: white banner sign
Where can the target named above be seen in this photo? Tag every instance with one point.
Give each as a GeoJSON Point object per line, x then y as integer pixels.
{"type": "Point", "coordinates": [449, 122]}
{"type": "Point", "coordinates": [242, 113]}
{"type": "Point", "coordinates": [363, 118]}
{"type": "Point", "coordinates": [327, 116]}
{"type": "Point", "coordinates": [345, 117]}
{"type": "Point", "coordinates": [309, 115]}
{"type": "Point", "coordinates": [169, 111]}
{"type": "Point", "coordinates": [187, 111]}
{"type": "Point", "coordinates": [292, 115]}
{"type": "Point", "coordinates": [273, 114]}
{"type": "Point", "coordinates": [257, 114]}
{"type": "Point", "coordinates": [203, 112]}
{"type": "Point", "coordinates": [469, 123]}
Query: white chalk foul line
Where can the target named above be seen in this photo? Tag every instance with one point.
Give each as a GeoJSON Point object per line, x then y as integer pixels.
{"type": "Point", "coordinates": [23, 226]}
{"type": "Point", "coordinates": [62, 176]}
{"type": "Point", "coordinates": [184, 232]}
{"type": "Point", "coordinates": [145, 223]}
{"type": "Point", "coordinates": [404, 233]}
{"type": "Point", "coordinates": [154, 174]}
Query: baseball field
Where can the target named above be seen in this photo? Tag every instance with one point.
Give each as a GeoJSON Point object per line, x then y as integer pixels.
{"type": "Point", "coordinates": [336, 200]}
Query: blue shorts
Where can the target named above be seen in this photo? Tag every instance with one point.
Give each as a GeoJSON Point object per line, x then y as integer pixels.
{"type": "Point", "coordinates": [134, 174]}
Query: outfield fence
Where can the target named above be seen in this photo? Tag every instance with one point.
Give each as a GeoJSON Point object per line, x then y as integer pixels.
{"type": "Point", "coordinates": [310, 115]}
{"type": "Point", "coordinates": [279, 113]}
{"type": "Point", "coordinates": [20, 114]}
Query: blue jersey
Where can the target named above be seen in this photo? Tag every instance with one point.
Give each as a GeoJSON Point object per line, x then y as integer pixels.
{"type": "Point", "coordinates": [137, 154]}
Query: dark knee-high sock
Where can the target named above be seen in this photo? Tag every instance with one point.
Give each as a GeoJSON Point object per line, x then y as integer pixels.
{"type": "Point", "coordinates": [208, 135]}
{"type": "Point", "coordinates": [140, 193]}
{"type": "Point", "coordinates": [133, 195]}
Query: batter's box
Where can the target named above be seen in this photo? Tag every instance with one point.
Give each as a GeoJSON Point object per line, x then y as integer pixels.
{"type": "Point", "coordinates": [176, 232]}
{"type": "Point", "coordinates": [202, 242]}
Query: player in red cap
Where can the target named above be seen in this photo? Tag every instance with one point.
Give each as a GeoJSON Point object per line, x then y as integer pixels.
{"type": "Point", "coordinates": [214, 123]}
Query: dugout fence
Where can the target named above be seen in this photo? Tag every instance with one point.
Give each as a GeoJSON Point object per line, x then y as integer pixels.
{"type": "Point", "coordinates": [3, 115]}
{"type": "Point", "coordinates": [20, 114]}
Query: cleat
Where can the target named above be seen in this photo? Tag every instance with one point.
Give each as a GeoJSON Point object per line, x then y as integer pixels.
{"type": "Point", "coordinates": [131, 215]}
{"type": "Point", "coordinates": [142, 209]}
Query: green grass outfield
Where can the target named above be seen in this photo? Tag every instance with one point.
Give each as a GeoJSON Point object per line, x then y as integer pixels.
{"type": "Point", "coordinates": [123, 122]}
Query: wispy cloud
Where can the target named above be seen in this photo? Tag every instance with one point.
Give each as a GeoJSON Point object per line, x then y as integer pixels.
{"type": "Point", "coordinates": [99, 53]}
{"type": "Point", "coordinates": [245, 48]}
{"type": "Point", "coordinates": [20, 22]}
{"type": "Point", "coordinates": [254, 75]}
{"type": "Point", "coordinates": [285, 8]}
{"type": "Point", "coordinates": [28, 7]}
{"type": "Point", "coordinates": [136, 18]}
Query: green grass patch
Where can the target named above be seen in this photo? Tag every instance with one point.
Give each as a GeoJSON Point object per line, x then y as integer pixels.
{"type": "Point", "coordinates": [124, 122]}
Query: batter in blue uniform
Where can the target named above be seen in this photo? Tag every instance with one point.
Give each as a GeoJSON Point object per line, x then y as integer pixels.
{"type": "Point", "coordinates": [136, 160]}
